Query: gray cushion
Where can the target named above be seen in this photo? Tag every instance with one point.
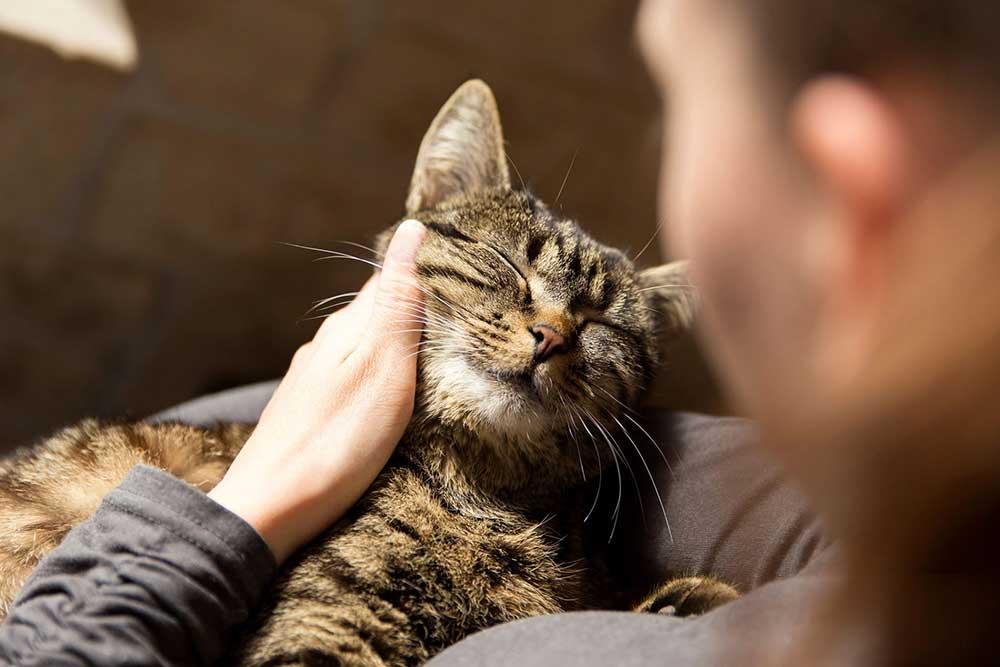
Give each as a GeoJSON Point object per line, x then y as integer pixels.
{"type": "Point", "coordinates": [733, 634]}
{"type": "Point", "coordinates": [242, 405]}
{"type": "Point", "coordinates": [730, 512]}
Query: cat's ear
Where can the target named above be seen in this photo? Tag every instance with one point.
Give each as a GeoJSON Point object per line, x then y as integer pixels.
{"type": "Point", "coordinates": [668, 291]}
{"type": "Point", "coordinates": [462, 151]}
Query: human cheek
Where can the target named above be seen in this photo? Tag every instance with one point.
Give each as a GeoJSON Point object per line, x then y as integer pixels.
{"type": "Point", "coordinates": [696, 188]}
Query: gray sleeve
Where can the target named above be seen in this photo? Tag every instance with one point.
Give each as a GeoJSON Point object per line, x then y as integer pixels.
{"type": "Point", "coordinates": [159, 575]}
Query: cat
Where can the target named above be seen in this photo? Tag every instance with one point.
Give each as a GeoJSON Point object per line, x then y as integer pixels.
{"type": "Point", "coordinates": [536, 341]}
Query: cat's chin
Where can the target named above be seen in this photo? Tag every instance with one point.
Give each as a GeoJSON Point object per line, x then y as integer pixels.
{"type": "Point", "coordinates": [506, 404]}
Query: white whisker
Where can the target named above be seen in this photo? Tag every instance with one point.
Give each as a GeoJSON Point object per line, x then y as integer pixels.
{"type": "Point", "coordinates": [652, 480]}
{"type": "Point", "coordinates": [652, 238]}
{"type": "Point", "coordinates": [566, 177]}
{"type": "Point", "coordinates": [665, 286]}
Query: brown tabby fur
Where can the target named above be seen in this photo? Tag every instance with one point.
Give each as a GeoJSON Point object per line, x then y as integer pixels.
{"type": "Point", "coordinates": [476, 520]}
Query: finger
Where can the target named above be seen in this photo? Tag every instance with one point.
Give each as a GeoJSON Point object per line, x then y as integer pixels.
{"type": "Point", "coordinates": [300, 361]}
{"type": "Point", "coordinates": [301, 358]}
{"type": "Point", "coordinates": [342, 329]}
{"type": "Point", "coordinates": [395, 324]}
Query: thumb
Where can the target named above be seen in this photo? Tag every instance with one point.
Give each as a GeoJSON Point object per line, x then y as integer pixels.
{"type": "Point", "coordinates": [397, 315]}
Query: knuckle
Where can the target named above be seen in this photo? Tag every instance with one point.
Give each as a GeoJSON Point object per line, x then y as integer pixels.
{"type": "Point", "coordinates": [302, 354]}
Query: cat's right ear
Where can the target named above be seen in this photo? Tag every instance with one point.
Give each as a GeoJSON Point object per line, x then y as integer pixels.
{"type": "Point", "coordinates": [462, 151]}
{"type": "Point", "coordinates": [668, 292]}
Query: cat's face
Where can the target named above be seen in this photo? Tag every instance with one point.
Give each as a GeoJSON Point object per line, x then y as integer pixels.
{"type": "Point", "coordinates": [531, 327]}
{"type": "Point", "coordinates": [530, 323]}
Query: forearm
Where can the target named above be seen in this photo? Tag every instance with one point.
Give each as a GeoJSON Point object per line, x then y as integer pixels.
{"type": "Point", "coordinates": [160, 574]}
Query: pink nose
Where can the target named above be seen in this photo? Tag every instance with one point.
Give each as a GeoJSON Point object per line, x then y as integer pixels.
{"type": "Point", "coordinates": [548, 342]}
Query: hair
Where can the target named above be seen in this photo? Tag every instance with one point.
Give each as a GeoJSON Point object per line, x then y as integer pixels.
{"type": "Point", "coordinates": [956, 39]}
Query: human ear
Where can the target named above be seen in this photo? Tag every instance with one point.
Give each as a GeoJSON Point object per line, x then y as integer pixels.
{"type": "Point", "coordinates": [855, 147]}
{"type": "Point", "coordinates": [855, 143]}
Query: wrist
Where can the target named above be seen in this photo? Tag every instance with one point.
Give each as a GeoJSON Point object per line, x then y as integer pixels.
{"type": "Point", "coordinates": [264, 520]}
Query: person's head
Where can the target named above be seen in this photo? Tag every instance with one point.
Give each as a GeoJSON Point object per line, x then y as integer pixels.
{"type": "Point", "coordinates": [801, 137]}
{"type": "Point", "coordinates": [830, 168]}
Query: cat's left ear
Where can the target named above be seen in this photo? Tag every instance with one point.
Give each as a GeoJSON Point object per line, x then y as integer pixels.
{"type": "Point", "coordinates": [667, 289]}
{"type": "Point", "coordinates": [462, 151]}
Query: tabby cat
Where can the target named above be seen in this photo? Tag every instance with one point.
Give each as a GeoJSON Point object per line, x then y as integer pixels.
{"type": "Point", "coordinates": [536, 339]}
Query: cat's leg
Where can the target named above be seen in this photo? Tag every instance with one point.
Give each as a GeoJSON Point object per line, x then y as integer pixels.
{"type": "Point", "coordinates": [48, 489]}
{"type": "Point", "coordinates": [688, 596]}
{"type": "Point", "coordinates": [330, 628]}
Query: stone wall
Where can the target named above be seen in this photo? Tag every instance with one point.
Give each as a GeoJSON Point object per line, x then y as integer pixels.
{"type": "Point", "coordinates": [141, 213]}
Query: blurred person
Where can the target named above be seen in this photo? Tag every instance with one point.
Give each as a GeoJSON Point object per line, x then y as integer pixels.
{"type": "Point", "coordinates": [832, 169]}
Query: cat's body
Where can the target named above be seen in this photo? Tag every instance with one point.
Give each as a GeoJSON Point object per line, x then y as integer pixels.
{"type": "Point", "coordinates": [48, 489]}
{"type": "Point", "coordinates": [537, 339]}
{"type": "Point", "coordinates": [445, 566]}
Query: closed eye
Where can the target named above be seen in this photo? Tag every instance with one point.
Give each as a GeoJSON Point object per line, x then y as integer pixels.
{"type": "Point", "coordinates": [506, 261]}
{"type": "Point", "coordinates": [512, 267]}
{"type": "Point", "coordinates": [596, 319]}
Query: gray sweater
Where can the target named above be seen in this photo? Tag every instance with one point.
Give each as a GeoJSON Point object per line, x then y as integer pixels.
{"type": "Point", "coordinates": [160, 575]}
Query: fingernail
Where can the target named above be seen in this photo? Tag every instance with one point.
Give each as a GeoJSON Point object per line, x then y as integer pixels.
{"type": "Point", "coordinates": [406, 241]}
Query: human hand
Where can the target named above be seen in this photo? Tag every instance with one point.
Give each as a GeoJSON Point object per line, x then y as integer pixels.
{"type": "Point", "coordinates": [338, 413]}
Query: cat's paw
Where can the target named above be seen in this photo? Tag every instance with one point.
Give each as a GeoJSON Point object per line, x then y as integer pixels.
{"type": "Point", "coordinates": [688, 596]}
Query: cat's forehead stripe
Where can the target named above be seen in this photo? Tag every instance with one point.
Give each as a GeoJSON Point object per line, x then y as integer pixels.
{"type": "Point", "coordinates": [449, 230]}
{"type": "Point", "coordinates": [534, 249]}
{"type": "Point", "coordinates": [429, 270]}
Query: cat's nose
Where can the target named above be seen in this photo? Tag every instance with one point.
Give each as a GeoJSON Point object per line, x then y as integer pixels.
{"type": "Point", "coordinates": [548, 342]}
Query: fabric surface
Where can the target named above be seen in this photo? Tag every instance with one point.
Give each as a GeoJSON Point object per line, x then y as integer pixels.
{"type": "Point", "coordinates": [161, 574]}
{"type": "Point", "coordinates": [731, 514]}
{"type": "Point", "coordinates": [242, 405]}
{"type": "Point", "coordinates": [733, 634]}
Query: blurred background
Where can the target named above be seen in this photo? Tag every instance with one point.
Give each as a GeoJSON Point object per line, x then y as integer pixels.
{"type": "Point", "coordinates": [141, 207]}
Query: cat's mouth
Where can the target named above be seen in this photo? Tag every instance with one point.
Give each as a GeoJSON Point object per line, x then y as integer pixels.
{"type": "Point", "coordinates": [534, 384]}
{"type": "Point", "coordinates": [522, 379]}
{"type": "Point", "coordinates": [514, 401]}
